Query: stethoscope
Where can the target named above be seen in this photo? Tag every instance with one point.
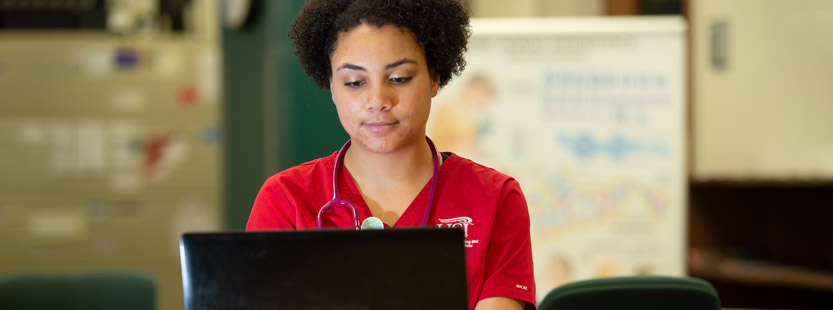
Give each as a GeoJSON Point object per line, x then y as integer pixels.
{"type": "Point", "coordinates": [374, 222]}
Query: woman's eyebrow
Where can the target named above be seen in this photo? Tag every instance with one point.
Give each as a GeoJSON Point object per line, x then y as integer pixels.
{"type": "Point", "coordinates": [400, 62]}
{"type": "Point", "coordinates": [351, 67]}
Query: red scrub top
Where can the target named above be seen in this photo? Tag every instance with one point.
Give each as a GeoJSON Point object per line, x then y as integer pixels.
{"type": "Point", "coordinates": [488, 205]}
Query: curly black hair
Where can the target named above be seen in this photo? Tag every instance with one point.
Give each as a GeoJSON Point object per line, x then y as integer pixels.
{"type": "Point", "coordinates": [440, 26]}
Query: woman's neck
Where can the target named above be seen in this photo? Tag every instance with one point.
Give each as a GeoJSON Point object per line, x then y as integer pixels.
{"type": "Point", "coordinates": [404, 168]}
{"type": "Point", "coordinates": [389, 182]}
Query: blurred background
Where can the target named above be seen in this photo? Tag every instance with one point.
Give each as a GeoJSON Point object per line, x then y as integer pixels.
{"type": "Point", "coordinates": [125, 123]}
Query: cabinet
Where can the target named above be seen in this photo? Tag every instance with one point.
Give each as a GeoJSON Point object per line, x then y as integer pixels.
{"type": "Point", "coordinates": [761, 189]}
{"type": "Point", "coordinates": [763, 244]}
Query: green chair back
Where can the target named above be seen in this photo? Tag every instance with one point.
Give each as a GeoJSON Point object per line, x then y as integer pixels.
{"type": "Point", "coordinates": [634, 292]}
{"type": "Point", "coordinates": [99, 290]}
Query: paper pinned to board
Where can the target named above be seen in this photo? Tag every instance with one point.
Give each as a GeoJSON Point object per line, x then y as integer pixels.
{"type": "Point", "coordinates": [62, 154]}
{"type": "Point", "coordinates": [77, 148]}
{"type": "Point", "coordinates": [62, 224]}
{"type": "Point", "coordinates": [127, 156]}
{"type": "Point", "coordinates": [208, 74]}
{"type": "Point", "coordinates": [90, 149]}
{"type": "Point", "coordinates": [167, 63]}
{"type": "Point", "coordinates": [93, 63]}
{"type": "Point", "coordinates": [164, 154]}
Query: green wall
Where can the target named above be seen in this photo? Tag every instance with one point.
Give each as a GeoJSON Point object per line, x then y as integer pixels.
{"type": "Point", "coordinates": [274, 117]}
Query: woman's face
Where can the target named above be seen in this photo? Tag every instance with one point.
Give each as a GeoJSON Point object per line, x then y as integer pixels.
{"type": "Point", "coordinates": [381, 87]}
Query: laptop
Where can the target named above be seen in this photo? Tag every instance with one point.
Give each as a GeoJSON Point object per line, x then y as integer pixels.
{"type": "Point", "coordinates": [419, 268]}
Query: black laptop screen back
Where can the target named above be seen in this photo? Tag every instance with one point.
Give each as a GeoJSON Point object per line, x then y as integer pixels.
{"type": "Point", "coordinates": [325, 269]}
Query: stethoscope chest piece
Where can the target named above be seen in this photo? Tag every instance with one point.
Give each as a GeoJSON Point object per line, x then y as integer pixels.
{"type": "Point", "coordinates": [372, 223]}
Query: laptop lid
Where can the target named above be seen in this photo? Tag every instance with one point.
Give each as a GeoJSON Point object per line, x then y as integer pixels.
{"type": "Point", "coordinates": [420, 268]}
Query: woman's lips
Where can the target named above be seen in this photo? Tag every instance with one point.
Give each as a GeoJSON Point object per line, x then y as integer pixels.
{"type": "Point", "coordinates": [380, 127]}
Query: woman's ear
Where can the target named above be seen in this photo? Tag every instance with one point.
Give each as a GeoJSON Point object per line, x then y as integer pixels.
{"type": "Point", "coordinates": [331, 90]}
{"type": "Point", "coordinates": [435, 84]}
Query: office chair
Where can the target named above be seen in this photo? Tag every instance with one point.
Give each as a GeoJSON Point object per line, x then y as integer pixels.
{"type": "Point", "coordinates": [633, 292]}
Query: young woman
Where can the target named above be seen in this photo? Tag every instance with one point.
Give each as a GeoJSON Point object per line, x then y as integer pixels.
{"type": "Point", "coordinates": [384, 61]}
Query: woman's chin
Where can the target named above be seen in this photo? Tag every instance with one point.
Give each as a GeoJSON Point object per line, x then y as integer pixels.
{"type": "Point", "coordinates": [375, 145]}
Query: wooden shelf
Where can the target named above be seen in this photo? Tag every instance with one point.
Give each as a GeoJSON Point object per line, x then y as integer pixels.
{"type": "Point", "coordinates": [730, 270]}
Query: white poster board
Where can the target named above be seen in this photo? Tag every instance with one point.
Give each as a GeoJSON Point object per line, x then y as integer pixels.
{"type": "Point", "coordinates": [588, 115]}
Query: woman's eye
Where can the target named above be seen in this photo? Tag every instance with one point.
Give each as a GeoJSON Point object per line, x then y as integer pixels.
{"type": "Point", "coordinates": [400, 80]}
{"type": "Point", "coordinates": [354, 84]}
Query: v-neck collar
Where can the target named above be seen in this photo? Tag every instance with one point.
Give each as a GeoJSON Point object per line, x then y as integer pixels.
{"type": "Point", "coordinates": [414, 213]}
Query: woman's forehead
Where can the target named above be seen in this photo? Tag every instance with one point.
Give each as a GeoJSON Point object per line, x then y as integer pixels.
{"type": "Point", "coordinates": [377, 43]}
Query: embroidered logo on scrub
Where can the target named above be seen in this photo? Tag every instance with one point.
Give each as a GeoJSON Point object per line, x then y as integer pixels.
{"type": "Point", "coordinates": [462, 222]}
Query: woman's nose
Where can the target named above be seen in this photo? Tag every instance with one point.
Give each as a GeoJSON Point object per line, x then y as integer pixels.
{"type": "Point", "coordinates": [381, 98]}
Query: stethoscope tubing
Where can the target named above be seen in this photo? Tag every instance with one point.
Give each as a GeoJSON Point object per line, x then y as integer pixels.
{"type": "Point", "coordinates": [337, 201]}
